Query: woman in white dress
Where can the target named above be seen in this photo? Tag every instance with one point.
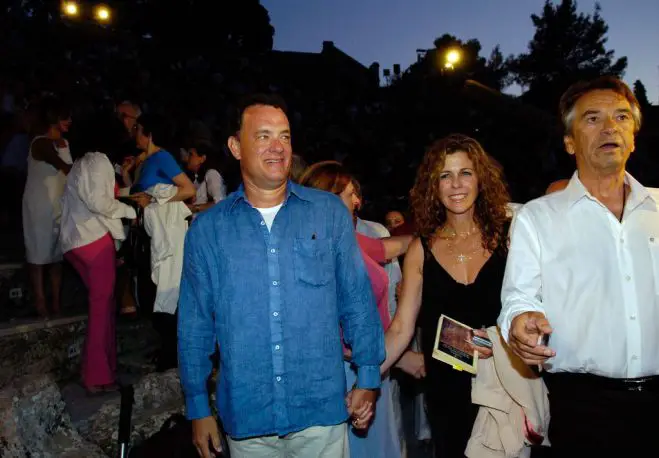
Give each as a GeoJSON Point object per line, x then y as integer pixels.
{"type": "Point", "coordinates": [49, 161]}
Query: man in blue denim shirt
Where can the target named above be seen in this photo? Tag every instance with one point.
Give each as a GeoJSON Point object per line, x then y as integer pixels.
{"type": "Point", "coordinates": [272, 274]}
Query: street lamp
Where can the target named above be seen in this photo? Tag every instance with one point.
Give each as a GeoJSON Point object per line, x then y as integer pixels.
{"type": "Point", "coordinates": [70, 9]}
{"type": "Point", "coordinates": [452, 58]}
{"type": "Point", "coordinates": [102, 13]}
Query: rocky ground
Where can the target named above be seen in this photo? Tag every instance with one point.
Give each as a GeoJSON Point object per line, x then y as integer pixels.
{"type": "Point", "coordinates": [45, 412]}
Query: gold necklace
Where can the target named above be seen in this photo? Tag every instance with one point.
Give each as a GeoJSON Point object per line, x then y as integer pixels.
{"type": "Point", "coordinates": [465, 254]}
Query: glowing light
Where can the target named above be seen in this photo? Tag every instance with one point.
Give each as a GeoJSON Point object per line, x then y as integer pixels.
{"type": "Point", "coordinates": [103, 13]}
{"type": "Point", "coordinates": [71, 8]}
{"type": "Point", "coordinates": [453, 56]}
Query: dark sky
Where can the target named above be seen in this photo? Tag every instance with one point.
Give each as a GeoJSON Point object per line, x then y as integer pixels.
{"type": "Point", "coordinates": [390, 31]}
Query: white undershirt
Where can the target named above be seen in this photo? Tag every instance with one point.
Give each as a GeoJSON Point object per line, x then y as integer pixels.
{"type": "Point", "coordinates": [268, 214]}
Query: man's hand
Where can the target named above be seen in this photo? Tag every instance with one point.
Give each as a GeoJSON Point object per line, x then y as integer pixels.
{"type": "Point", "coordinates": [361, 406]}
{"type": "Point", "coordinates": [526, 331]}
{"type": "Point", "coordinates": [205, 431]}
{"type": "Point", "coordinates": [412, 362]}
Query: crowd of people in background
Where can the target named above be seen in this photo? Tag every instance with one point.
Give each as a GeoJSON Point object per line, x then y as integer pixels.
{"type": "Point", "coordinates": [305, 301]}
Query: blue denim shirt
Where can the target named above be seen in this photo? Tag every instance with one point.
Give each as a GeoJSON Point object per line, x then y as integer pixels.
{"type": "Point", "coordinates": [275, 302]}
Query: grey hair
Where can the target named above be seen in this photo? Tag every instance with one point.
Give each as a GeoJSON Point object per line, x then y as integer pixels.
{"type": "Point", "coordinates": [133, 105]}
{"type": "Point", "coordinates": [568, 118]}
{"type": "Point", "coordinates": [576, 91]}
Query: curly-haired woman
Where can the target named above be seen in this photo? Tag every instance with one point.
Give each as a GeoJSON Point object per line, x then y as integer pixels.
{"type": "Point", "coordinates": [455, 267]}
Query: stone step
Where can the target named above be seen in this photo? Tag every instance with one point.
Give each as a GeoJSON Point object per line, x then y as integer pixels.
{"type": "Point", "coordinates": [157, 396]}
{"type": "Point", "coordinates": [15, 292]}
{"type": "Point", "coordinates": [34, 422]}
{"type": "Point", "coordinates": [51, 347]}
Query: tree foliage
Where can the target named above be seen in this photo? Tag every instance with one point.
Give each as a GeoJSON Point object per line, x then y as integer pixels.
{"type": "Point", "coordinates": [641, 94]}
{"type": "Point", "coordinates": [567, 46]}
{"type": "Point", "coordinates": [492, 72]}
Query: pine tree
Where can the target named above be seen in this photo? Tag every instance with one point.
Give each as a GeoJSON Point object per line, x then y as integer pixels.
{"type": "Point", "coordinates": [641, 94]}
{"type": "Point", "coordinates": [567, 46]}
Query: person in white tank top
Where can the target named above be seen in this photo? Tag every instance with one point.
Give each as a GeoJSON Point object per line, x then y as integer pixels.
{"type": "Point", "coordinates": [49, 161]}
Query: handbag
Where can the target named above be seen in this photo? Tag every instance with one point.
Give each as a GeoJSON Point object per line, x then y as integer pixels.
{"type": "Point", "coordinates": [173, 440]}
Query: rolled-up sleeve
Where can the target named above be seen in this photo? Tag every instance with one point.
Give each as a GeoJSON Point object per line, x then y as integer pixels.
{"type": "Point", "coordinates": [522, 283]}
{"type": "Point", "coordinates": [196, 321]}
{"type": "Point", "coordinates": [362, 329]}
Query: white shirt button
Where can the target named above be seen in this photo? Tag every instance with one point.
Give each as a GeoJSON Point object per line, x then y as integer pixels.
{"type": "Point", "coordinates": [634, 357]}
{"type": "Point", "coordinates": [632, 317]}
{"type": "Point", "coordinates": [651, 239]}
{"type": "Point", "coordinates": [627, 277]}
{"type": "Point", "coordinates": [262, 223]}
{"type": "Point", "coordinates": [275, 283]}
{"type": "Point", "coordinates": [278, 379]}
{"type": "Point", "coordinates": [272, 250]}
{"type": "Point", "coordinates": [275, 314]}
{"type": "Point", "coordinates": [277, 347]}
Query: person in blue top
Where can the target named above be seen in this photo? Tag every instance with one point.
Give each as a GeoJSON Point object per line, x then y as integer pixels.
{"type": "Point", "coordinates": [273, 274]}
{"type": "Point", "coordinates": [155, 165]}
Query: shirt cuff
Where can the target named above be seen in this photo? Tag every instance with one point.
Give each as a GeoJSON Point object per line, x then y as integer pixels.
{"type": "Point", "coordinates": [197, 407]}
{"type": "Point", "coordinates": [506, 319]}
{"type": "Point", "coordinates": [368, 377]}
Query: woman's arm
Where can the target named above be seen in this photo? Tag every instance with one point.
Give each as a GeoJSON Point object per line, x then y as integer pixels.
{"type": "Point", "coordinates": [396, 246]}
{"type": "Point", "coordinates": [400, 333]}
{"type": "Point", "coordinates": [44, 150]}
{"type": "Point", "coordinates": [185, 187]}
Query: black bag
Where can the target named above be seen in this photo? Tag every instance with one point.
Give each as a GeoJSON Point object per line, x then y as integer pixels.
{"type": "Point", "coordinates": [174, 440]}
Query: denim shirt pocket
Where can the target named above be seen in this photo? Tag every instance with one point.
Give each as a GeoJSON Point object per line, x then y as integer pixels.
{"type": "Point", "coordinates": [313, 261]}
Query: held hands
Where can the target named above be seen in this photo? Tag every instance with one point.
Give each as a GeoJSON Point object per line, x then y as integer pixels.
{"type": "Point", "coordinates": [361, 407]}
{"type": "Point", "coordinates": [526, 332]}
{"type": "Point", "coordinates": [204, 433]}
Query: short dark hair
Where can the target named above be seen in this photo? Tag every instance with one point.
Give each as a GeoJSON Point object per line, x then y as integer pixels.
{"type": "Point", "coordinates": [270, 100]}
{"type": "Point", "coordinates": [156, 126]}
{"type": "Point", "coordinates": [49, 111]}
{"type": "Point", "coordinates": [213, 158]}
{"type": "Point", "coordinates": [576, 91]}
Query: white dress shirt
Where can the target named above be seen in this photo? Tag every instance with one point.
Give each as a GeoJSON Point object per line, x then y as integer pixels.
{"type": "Point", "coordinates": [595, 278]}
{"type": "Point", "coordinates": [89, 209]}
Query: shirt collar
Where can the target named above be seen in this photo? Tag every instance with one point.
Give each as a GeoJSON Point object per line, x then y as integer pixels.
{"type": "Point", "coordinates": [298, 191]}
{"type": "Point", "coordinates": [576, 191]}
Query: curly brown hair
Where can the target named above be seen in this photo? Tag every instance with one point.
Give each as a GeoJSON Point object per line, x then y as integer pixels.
{"type": "Point", "coordinates": [490, 213]}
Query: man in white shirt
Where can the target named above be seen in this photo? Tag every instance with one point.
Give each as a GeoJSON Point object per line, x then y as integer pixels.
{"type": "Point", "coordinates": [583, 271]}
